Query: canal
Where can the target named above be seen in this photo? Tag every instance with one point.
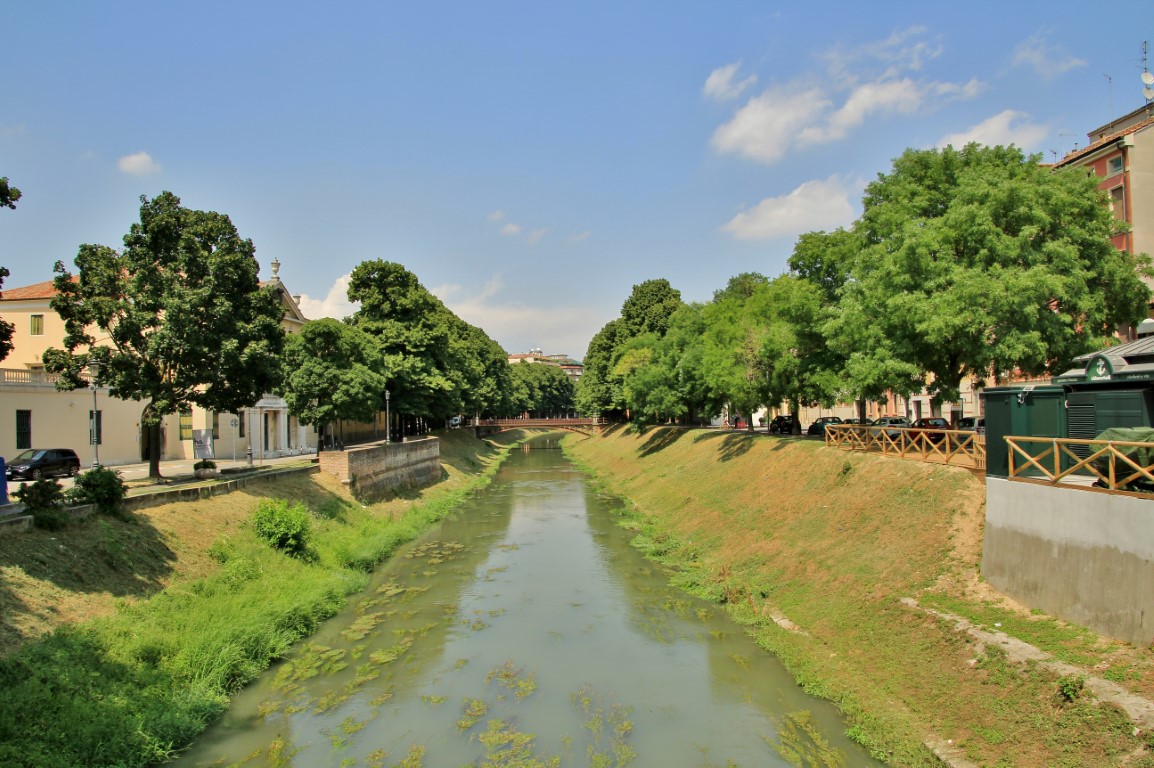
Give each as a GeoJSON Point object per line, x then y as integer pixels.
{"type": "Point", "coordinates": [525, 631]}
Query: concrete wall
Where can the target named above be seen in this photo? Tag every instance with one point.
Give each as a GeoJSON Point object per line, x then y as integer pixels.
{"type": "Point", "coordinates": [372, 471]}
{"type": "Point", "coordinates": [1082, 555]}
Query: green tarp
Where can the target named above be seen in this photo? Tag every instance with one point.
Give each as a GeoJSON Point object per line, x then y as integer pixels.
{"type": "Point", "coordinates": [1143, 456]}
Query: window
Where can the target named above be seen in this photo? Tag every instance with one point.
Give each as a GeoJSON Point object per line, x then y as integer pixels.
{"type": "Point", "coordinates": [215, 426]}
{"type": "Point", "coordinates": [95, 431]}
{"type": "Point", "coordinates": [1114, 165]}
{"type": "Point", "coordinates": [37, 327]}
{"type": "Point", "coordinates": [240, 425]}
{"type": "Point", "coordinates": [23, 430]}
{"type": "Point", "coordinates": [1118, 202]}
{"type": "Point", "coordinates": [186, 425]}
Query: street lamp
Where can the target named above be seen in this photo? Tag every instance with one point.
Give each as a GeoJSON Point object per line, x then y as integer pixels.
{"type": "Point", "coordinates": [93, 420]}
{"type": "Point", "coordinates": [388, 424]}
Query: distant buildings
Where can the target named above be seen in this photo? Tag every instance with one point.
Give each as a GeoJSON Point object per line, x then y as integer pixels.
{"type": "Point", "coordinates": [572, 368]}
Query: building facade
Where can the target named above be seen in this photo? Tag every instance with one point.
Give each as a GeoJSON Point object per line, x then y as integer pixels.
{"type": "Point", "coordinates": [104, 429]}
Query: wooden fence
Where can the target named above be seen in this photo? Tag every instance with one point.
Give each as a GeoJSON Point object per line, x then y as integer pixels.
{"type": "Point", "coordinates": [942, 446]}
{"type": "Point", "coordinates": [1113, 464]}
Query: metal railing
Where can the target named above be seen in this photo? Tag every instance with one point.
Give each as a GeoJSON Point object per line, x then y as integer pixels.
{"type": "Point", "coordinates": [941, 446]}
{"type": "Point", "coordinates": [1116, 465]}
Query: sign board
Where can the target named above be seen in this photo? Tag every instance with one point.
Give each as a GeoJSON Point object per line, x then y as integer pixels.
{"type": "Point", "coordinates": [202, 447]}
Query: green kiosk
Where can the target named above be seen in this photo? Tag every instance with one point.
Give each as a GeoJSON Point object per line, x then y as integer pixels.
{"type": "Point", "coordinates": [1108, 389]}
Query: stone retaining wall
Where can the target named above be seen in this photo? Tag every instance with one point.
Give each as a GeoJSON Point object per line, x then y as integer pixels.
{"type": "Point", "coordinates": [372, 471]}
{"type": "Point", "coordinates": [1084, 555]}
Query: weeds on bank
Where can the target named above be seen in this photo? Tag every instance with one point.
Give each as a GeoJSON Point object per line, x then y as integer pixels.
{"type": "Point", "coordinates": [132, 689]}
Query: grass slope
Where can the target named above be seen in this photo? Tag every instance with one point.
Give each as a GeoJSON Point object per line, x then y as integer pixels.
{"type": "Point", "coordinates": [124, 638]}
{"type": "Point", "coordinates": [812, 549]}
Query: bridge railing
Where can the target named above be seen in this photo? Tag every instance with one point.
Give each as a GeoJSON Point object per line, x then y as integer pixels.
{"type": "Point", "coordinates": [941, 446]}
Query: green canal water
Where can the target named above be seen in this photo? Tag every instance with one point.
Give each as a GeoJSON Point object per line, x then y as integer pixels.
{"type": "Point", "coordinates": [525, 631]}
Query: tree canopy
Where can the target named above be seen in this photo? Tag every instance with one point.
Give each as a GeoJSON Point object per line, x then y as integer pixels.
{"type": "Point", "coordinates": [980, 262]}
{"type": "Point", "coordinates": [332, 372]}
{"type": "Point", "coordinates": [177, 317]}
{"type": "Point", "coordinates": [8, 194]}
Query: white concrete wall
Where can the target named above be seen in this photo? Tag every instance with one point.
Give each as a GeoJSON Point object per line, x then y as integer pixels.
{"type": "Point", "coordinates": [1086, 556]}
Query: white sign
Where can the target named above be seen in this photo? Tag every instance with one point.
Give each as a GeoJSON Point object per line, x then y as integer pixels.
{"type": "Point", "coordinates": [202, 447]}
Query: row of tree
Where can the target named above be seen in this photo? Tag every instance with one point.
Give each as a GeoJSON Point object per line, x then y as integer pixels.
{"type": "Point", "coordinates": [178, 317]}
{"type": "Point", "coordinates": [979, 263]}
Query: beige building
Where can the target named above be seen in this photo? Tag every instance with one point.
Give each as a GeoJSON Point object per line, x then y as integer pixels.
{"type": "Point", "coordinates": [33, 414]}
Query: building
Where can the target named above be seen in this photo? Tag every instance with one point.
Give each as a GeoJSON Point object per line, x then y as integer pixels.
{"type": "Point", "coordinates": [33, 414]}
{"type": "Point", "coordinates": [572, 368]}
{"type": "Point", "coordinates": [1121, 155]}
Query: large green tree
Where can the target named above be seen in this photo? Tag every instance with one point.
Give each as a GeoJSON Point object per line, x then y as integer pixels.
{"type": "Point", "coordinates": [982, 262]}
{"type": "Point", "coordinates": [647, 310]}
{"type": "Point", "coordinates": [176, 318]}
{"type": "Point", "coordinates": [547, 391]}
{"type": "Point", "coordinates": [332, 372]}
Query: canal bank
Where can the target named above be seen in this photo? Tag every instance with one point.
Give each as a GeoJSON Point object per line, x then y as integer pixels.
{"type": "Point", "coordinates": [123, 637]}
{"type": "Point", "coordinates": [819, 552]}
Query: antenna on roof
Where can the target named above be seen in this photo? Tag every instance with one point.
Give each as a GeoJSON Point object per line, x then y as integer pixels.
{"type": "Point", "coordinates": [1110, 92]}
{"type": "Point", "coordinates": [1147, 77]}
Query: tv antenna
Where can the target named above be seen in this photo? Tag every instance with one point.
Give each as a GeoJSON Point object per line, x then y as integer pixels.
{"type": "Point", "coordinates": [1110, 92]}
{"type": "Point", "coordinates": [1147, 76]}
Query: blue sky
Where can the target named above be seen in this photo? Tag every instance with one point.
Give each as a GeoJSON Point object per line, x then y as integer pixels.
{"type": "Point", "coordinates": [530, 162]}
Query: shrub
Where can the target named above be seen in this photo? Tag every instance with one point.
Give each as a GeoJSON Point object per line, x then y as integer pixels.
{"type": "Point", "coordinates": [204, 464]}
{"type": "Point", "coordinates": [282, 526]}
{"type": "Point", "coordinates": [44, 500]}
{"type": "Point", "coordinates": [101, 486]}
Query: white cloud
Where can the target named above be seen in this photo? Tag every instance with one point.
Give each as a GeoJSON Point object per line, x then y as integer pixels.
{"type": "Point", "coordinates": [1046, 60]}
{"type": "Point", "coordinates": [720, 85]}
{"type": "Point", "coordinates": [565, 329]}
{"type": "Point", "coordinates": [139, 164]}
{"type": "Point", "coordinates": [901, 96]}
{"type": "Point", "coordinates": [580, 237]}
{"type": "Point", "coordinates": [874, 80]}
{"type": "Point", "coordinates": [535, 236]}
{"type": "Point", "coordinates": [765, 128]}
{"type": "Point", "coordinates": [1007, 127]}
{"type": "Point", "coordinates": [496, 215]}
{"type": "Point", "coordinates": [511, 229]}
{"type": "Point", "coordinates": [814, 205]}
{"type": "Point", "coordinates": [335, 304]}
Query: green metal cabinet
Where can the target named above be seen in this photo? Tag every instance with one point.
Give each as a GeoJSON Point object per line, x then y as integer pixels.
{"type": "Point", "coordinates": [1038, 411]}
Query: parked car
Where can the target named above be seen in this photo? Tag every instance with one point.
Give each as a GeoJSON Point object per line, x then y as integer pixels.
{"type": "Point", "coordinates": [892, 421]}
{"type": "Point", "coordinates": [856, 421]}
{"type": "Point", "coordinates": [782, 425]}
{"type": "Point", "coordinates": [972, 424]}
{"type": "Point", "coordinates": [37, 463]}
{"type": "Point", "coordinates": [932, 428]}
{"type": "Point", "coordinates": [819, 424]}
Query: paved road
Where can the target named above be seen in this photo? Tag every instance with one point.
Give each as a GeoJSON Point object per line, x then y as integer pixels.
{"type": "Point", "coordinates": [171, 469]}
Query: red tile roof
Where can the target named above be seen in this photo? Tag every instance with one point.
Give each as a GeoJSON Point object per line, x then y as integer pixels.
{"type": "Point", "coordinates": [45, 290]}
{"type": "Point", "coordinates": [1109, 138]}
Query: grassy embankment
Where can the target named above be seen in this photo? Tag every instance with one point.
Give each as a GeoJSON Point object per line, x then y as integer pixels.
{"type": "Point", "coordinates": [123, 638]}
{"type": "Point", "coordinates": [812, 549]}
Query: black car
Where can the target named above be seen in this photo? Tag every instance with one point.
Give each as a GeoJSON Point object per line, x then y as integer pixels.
{"type": "Point", "coordinates": [782, 425]}
{"type": "Point", "coordinates": [819, 424]}
{"type": "Point", "coordinates": [36, 463]}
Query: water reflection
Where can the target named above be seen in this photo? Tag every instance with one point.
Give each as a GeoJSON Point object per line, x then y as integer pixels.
{"type": "Point", "coordinates": [525, 631]}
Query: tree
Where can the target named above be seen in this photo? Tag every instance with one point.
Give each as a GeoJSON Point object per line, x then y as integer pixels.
{"type": "Point", "coordinates": [8, 194]}
{"type": "Point", "coordinates": [412, 329]}
{"type": "Point", "coordinates": [547, 390]}
{"type": "Point", "coordinates": [332, 372]}
{"type": "Point", "coordinates": [6, 328]}
{"type": "Point", "coordinates": [8, 197]}
{"type": "Point", "coordinates": [646, 311]}
{"type": "Point", "coordinates": [982, 262]}
{"type": "Point", "coordinates": [183, 318]}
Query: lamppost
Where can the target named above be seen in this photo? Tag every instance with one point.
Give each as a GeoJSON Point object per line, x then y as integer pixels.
{"type": "Point", "coordinates": [94, 419]}
{"type": "Point", "coordinates": [388, 424]}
